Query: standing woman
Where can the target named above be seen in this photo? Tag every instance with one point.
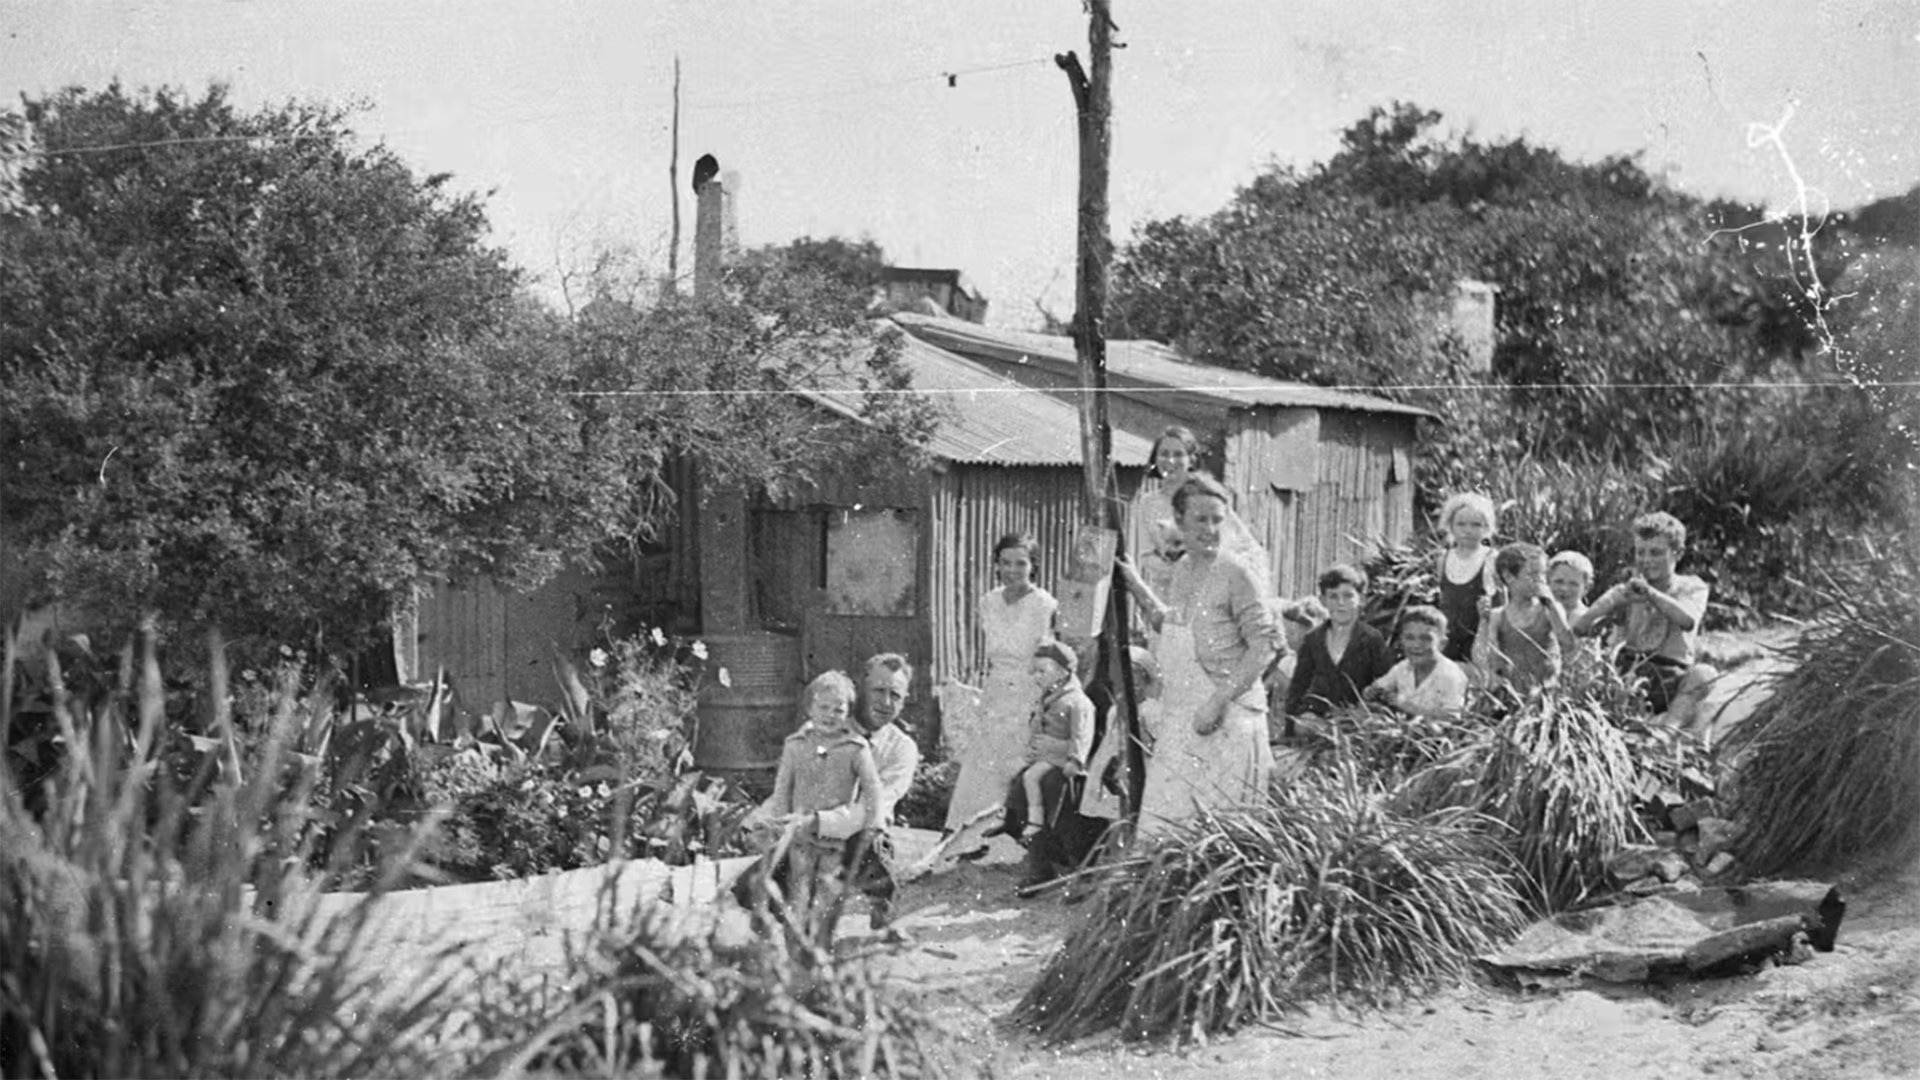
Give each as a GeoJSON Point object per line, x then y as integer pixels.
{"type": "Point", "coordinates": [1015, 618]}
{"type": "Point", "coordinates": [1214, 637]}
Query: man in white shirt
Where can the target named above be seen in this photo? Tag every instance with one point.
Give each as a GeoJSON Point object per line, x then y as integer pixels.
{"type": "Point", "coordinates": [895, 756]}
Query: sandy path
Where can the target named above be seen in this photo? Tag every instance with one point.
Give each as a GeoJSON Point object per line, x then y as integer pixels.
{"type": "Point", "coordinates": [1851, 1013]}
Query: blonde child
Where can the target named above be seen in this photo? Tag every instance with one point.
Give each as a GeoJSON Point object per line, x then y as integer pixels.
{"type": "Point", "coordinates": [1521, 643]}
{"type": "Point", "coordinates": [1424, 682]}
{"type": "Point", "coordinates": [1464, 570]}
{"type": "Point", "coordinates": [826, 765]}
{"type": "Point", "coordinates": [1569, 576]}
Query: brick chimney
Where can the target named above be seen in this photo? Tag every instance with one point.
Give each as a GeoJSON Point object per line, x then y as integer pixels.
{"type": "Point", "coordinates": [716, 235]}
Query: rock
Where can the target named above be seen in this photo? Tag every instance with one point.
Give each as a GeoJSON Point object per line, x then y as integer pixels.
{"type": "Point", "coordinates": [1670, 865]}
{"type": "Point", "coordinates": [1646, 886]}
{"type": "Point", "coordinates": [1633, 861]}
{"type": "Point", "coordinates": [1689, 815]}
{"type": "Point", "coordinates": [1716, 836]}
{"type": "Point", "coordinates": [1720, 866]}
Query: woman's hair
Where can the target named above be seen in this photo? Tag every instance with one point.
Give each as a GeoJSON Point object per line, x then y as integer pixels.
{"type": "Point", "coordinates": [830, 683]}
{"type": "Point", "coordinates": [1513, 558]}
{"type": "Point", "coordinates": [1307, 611]}
{"type": "Point", "coordinates": [1022, 540]}
{"type": "Point", "coordinates": [1186, 437]}
{"type": "Point", "coordinates": [1425, 613]}
{"type": "Point", "coordinates": [1463, 500]}
{"type": "Point", "coordinates": [1198, 485]}
{"type": "Point", "coordinates": [1574, 559]}
{"type": "Point", "coordinates": [1343, 574]}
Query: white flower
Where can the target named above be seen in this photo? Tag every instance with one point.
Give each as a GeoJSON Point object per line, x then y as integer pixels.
{"type": "Point", "coordinates": [598, 658]}
{"type": "Point", "coordinates": [725, 678]}
{"type": "Point", "coordinates": [584, 791]}
{"type": "Point", "coordinates": [659, 638]}
{"type": "Point", "coordinates": [700, 649]}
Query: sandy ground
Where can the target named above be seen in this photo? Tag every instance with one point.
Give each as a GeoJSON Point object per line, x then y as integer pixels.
{"type": "Point", "coordinates": [1854, 1012]}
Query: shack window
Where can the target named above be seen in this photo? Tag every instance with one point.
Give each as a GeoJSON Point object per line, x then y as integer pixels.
{"type": "Point", "coordinates": [872, 556]}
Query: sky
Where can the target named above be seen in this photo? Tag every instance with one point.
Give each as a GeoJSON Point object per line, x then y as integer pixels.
{"type": "Point", "coordinates": [943, 129]}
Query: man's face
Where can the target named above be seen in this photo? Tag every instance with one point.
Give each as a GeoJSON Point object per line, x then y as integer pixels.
{"type": "Point", "coordinates": [886, 695]}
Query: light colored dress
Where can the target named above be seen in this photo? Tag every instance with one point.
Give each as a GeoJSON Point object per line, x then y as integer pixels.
{"type": "Point", "coordinates": [996, 752]}
{"type": "Point", "coordinates": [1215, 614]}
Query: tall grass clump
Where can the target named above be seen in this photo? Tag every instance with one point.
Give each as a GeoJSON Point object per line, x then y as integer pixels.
{"type": "Point", "coordinates": [1560, 774]}
{"type": "Point", "coordinates": [1328, 891]}
{"type": "Point", "coordinates": [151, 926]}
{"type": "Point", "coordinates": [1829, 765]}
{"type": "Point", "coordinates": [656, 999]}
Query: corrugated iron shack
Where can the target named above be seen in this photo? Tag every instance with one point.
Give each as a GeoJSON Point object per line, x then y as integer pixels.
{"type": "Point", "coordinates": [783, 588]}
{"type": "Point", "coordinates": [1319, 475]}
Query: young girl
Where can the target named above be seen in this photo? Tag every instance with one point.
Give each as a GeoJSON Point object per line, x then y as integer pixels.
{"type": "Point", "coordinates": [1425, 683]}
{"type": "Point", "coordinates": [1464, 570]}
{"type": "Point", "coordinates": [825, 765]}
{"type": "Point", "coordinates": [1521, 642]}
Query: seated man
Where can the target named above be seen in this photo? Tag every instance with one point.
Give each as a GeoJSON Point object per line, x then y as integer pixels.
{"type": "Point", "coordinates": [868, 856]}
{"type": "Point", "coordinates": [1656, 617]}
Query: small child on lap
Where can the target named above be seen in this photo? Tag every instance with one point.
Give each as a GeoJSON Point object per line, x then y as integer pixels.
{"type": "Point", "coordinates": [1059, 741]}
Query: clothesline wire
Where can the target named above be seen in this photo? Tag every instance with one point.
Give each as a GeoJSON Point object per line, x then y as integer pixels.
{"type": "Point", "coordinates": [1851, 384]}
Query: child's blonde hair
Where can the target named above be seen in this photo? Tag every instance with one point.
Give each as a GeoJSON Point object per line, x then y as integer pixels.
{"type": "Point", "coordinates": [1574, 559]}
{"type": "Point", "coordinates": [1467, 500]}
{"type": "Point", "coordinates": [829, 683]}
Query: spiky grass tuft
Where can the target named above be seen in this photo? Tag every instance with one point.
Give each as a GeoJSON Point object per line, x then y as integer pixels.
{"type": "Point", "coordinates": [1241, 917]}
{"type": "Point", "coordinates": [1829, 765]}
{"type": "Point", "coordinates": [149, 928]}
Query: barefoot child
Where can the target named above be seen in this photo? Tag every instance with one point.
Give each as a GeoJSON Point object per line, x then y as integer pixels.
{"type": "Point", "coordinates": [1425, 683]}
{"type": "Point", "coordinates": [1521, 642]}
{"type": "Point", "coordinates": [1464, 570]}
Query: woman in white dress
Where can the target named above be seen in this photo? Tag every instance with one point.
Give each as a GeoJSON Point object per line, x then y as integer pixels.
{"type": "Point", "coordinates": [1214, 638]}
{"type": "Point", "coordinates": [1015, 618]}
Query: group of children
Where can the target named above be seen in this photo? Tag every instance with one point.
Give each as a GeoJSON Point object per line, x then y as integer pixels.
{"type": "Point", "coordinates": [1508, 617]}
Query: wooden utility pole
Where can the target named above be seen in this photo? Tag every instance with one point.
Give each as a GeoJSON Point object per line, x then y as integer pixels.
{"type": "Point", "coordinates": [1093, 104]}
{"type": "Point", "coordinates": [673, 188]}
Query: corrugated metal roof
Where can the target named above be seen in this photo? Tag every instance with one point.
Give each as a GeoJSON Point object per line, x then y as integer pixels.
{"type": "Point", "coordinates": [1146, 364]}
{"type": "Point", "coordinates": [985, 417]}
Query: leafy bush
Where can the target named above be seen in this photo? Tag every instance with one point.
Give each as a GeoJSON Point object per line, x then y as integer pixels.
{"type": "Point", "coordinates": [656, 1002]}
{"type": "Point", "coordinates": [1829, 765]}
{"type": "Point", "coordinates": [1241, 917]}
{"type": "Point", "coordinates": [129, 943]}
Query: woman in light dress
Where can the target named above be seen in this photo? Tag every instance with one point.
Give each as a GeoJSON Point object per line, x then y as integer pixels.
{"type": "Point", "coordinates": [1176, 459]}
{"type": "Point", "coordinates": [1016, 616]}
{"type": "Point", "coordinates": [1214, 637]}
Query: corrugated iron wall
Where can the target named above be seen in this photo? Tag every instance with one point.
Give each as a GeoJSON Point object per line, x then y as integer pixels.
{"type": "Point", "coordinates": [1356, 491]}
{"type": "Point", "coordinates": [972, 507]}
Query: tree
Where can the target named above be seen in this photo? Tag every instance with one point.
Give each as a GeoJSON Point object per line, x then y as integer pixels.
{"type": "Point", "coordinates": [852, 265]}
{"type": "Point", "coordinates": [254, 375]}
